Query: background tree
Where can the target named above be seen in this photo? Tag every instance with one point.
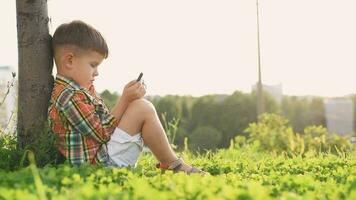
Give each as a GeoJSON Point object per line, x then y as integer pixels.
{"type": "Point", "coordinates": [204, 138]}
{"type": "Point", "coordinates": [170, 105]}
{"type": "Point", "coordinates": [303, 111]}
{"type": "Point", "coordinates": [205, 111]}
{"type": "Point", "coordinates": [230, 114]}
{"type": "Point", "coordinates": [109, 98]}
{"type": "Point", "coordinates": [237, 111]}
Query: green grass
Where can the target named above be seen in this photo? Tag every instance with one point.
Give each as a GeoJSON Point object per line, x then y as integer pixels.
{"type": "Point", "coordinates": [239, 173]}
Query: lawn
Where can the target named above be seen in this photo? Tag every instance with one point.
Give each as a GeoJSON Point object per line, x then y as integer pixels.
{"type": "Point", "coordinates": [235, 173]}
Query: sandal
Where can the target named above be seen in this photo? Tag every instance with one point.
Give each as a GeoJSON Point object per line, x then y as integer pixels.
{"type": "Point", "coordinates": [177, 165]}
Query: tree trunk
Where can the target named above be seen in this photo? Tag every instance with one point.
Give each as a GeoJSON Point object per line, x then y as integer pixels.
{"type": "Point", "coordinates": [35, 65]}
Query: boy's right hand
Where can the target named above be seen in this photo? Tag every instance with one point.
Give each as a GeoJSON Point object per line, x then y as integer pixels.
{"type": "Point", "coordinates": [133, 90]}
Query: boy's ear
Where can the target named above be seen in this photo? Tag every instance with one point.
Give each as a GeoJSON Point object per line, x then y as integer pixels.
{"type": "Point", "coordinates": [68, 59]}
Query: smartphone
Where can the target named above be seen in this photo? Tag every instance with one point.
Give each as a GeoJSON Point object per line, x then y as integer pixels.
{"type": "Point", "coordinates": [139, 77]}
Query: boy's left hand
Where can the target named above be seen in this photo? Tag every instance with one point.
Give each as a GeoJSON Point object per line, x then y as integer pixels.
{"type": "Point", "coordinates": [134, 90]}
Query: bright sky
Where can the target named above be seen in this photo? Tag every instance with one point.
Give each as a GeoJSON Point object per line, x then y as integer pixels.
{"type": "Point", "coordinates": [201, 47]}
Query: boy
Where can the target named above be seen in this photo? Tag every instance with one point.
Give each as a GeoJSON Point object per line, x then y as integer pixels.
{"type": "Point", "coordinates": [88, 132]}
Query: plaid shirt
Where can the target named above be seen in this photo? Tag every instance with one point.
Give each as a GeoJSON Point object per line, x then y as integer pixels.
{"type": "Point", "coordinates": [81, 120]}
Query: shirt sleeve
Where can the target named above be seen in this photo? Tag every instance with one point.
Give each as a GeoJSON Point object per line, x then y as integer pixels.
{"type": "Point", "coordinates": [88, 118]}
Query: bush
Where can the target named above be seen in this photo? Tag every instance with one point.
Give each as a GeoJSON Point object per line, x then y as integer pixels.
{"type": "Point", "coordinates": [318, 138]}
{"type": "Point", "coordinates": [274, 133]}
{"type": "Point", "coordinates": [11, 153]}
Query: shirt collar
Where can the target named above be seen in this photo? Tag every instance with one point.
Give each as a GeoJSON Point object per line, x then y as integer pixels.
{"type": "Point", "coordinates": [68, 81]}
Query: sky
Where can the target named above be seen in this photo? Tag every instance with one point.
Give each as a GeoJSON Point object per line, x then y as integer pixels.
{"type": "Point", "coordinates": [199, 47]}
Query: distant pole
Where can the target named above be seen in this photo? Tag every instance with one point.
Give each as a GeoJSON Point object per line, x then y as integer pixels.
{"type": "Point", "coordinates": [260, 107]}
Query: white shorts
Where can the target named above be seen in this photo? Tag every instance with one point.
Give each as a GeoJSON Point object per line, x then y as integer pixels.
{"type": "Point", "coordinates": [124, 149]}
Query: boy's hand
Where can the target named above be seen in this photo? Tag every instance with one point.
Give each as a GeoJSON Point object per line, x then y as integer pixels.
{"type": "Point", "coordinates": [133, 90]}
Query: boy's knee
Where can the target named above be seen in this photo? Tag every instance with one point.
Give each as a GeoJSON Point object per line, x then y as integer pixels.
{"type": "Point", "coordinates": [143, 105]}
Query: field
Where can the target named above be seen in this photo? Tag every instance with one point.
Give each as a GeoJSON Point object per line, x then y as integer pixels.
{"type": "Point", "coordinates": [235, 173]}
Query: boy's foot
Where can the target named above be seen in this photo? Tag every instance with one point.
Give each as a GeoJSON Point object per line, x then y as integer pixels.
{"type": "Point", "coordinates": [179, 166]}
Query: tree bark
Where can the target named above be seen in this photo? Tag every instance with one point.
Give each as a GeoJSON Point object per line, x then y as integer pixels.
{"type": "Point", "coordinates": [35, 65]}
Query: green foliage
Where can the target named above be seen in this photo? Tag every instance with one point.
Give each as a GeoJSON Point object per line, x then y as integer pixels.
{"type": "Point", "coordinates": [109, 98]}
{"type": "Point", "coordinates": [45, 148]}
{"type": "Point", "coordinates": [230, 114]}
{"type": "Point", "coordinates": [9, 153]}
{"type": "Point", "coordinates": [170, 128]}
{"type": "Point", "coordinates": [318, 138]}
{"type": "Point", "coordinates": [204, 138]}
{"type": "Point", "coordinates": [239, 173]}
{"type": "Point", "coordinates": [234, 115]}
{"type": "Point", "coordinates": [12, 155]}
{"type": "Point", "coordinates": [303, 112]}
{"type": "Point", "coordinates": [182, 133]}
{"type": "Point", "coordinates": [171, 106]}
{"type": "Point", "coordinates": [273, 133]}
{"type": "Point", "coordinates": [205, 111]}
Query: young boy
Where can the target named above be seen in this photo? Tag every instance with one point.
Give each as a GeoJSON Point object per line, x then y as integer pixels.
{"type": "Point", "coordinates": [88, 132]}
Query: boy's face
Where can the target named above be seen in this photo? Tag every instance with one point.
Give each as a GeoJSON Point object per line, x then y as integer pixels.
{"type": "Point", "coordinates": [85, 67]}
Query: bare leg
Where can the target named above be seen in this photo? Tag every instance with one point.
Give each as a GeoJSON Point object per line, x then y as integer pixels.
{"type": "Point", "coordinates": [141, 116]}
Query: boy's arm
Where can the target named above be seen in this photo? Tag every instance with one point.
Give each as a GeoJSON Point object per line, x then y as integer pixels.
{"type": "Point", "coordinates": [81, 114]}
{"type": "Point", "coordinates": [132, 91]}
{"type": "Point", "coordinates": [119, 108]}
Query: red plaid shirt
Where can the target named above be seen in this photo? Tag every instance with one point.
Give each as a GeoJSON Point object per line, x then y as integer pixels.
{"type": "Point", "coordinates": [81, 120]}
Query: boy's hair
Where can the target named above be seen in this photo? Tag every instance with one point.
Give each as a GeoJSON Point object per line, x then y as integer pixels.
{"type": "Point", "coordinates": [80, 35]}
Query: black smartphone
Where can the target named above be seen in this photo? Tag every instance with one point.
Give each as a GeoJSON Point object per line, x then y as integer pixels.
{"type": "Point", "coordinates": [139, 77]}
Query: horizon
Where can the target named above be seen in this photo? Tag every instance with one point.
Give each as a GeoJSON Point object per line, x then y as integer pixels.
{"type": "Point", "coordinates": [307, 46]}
